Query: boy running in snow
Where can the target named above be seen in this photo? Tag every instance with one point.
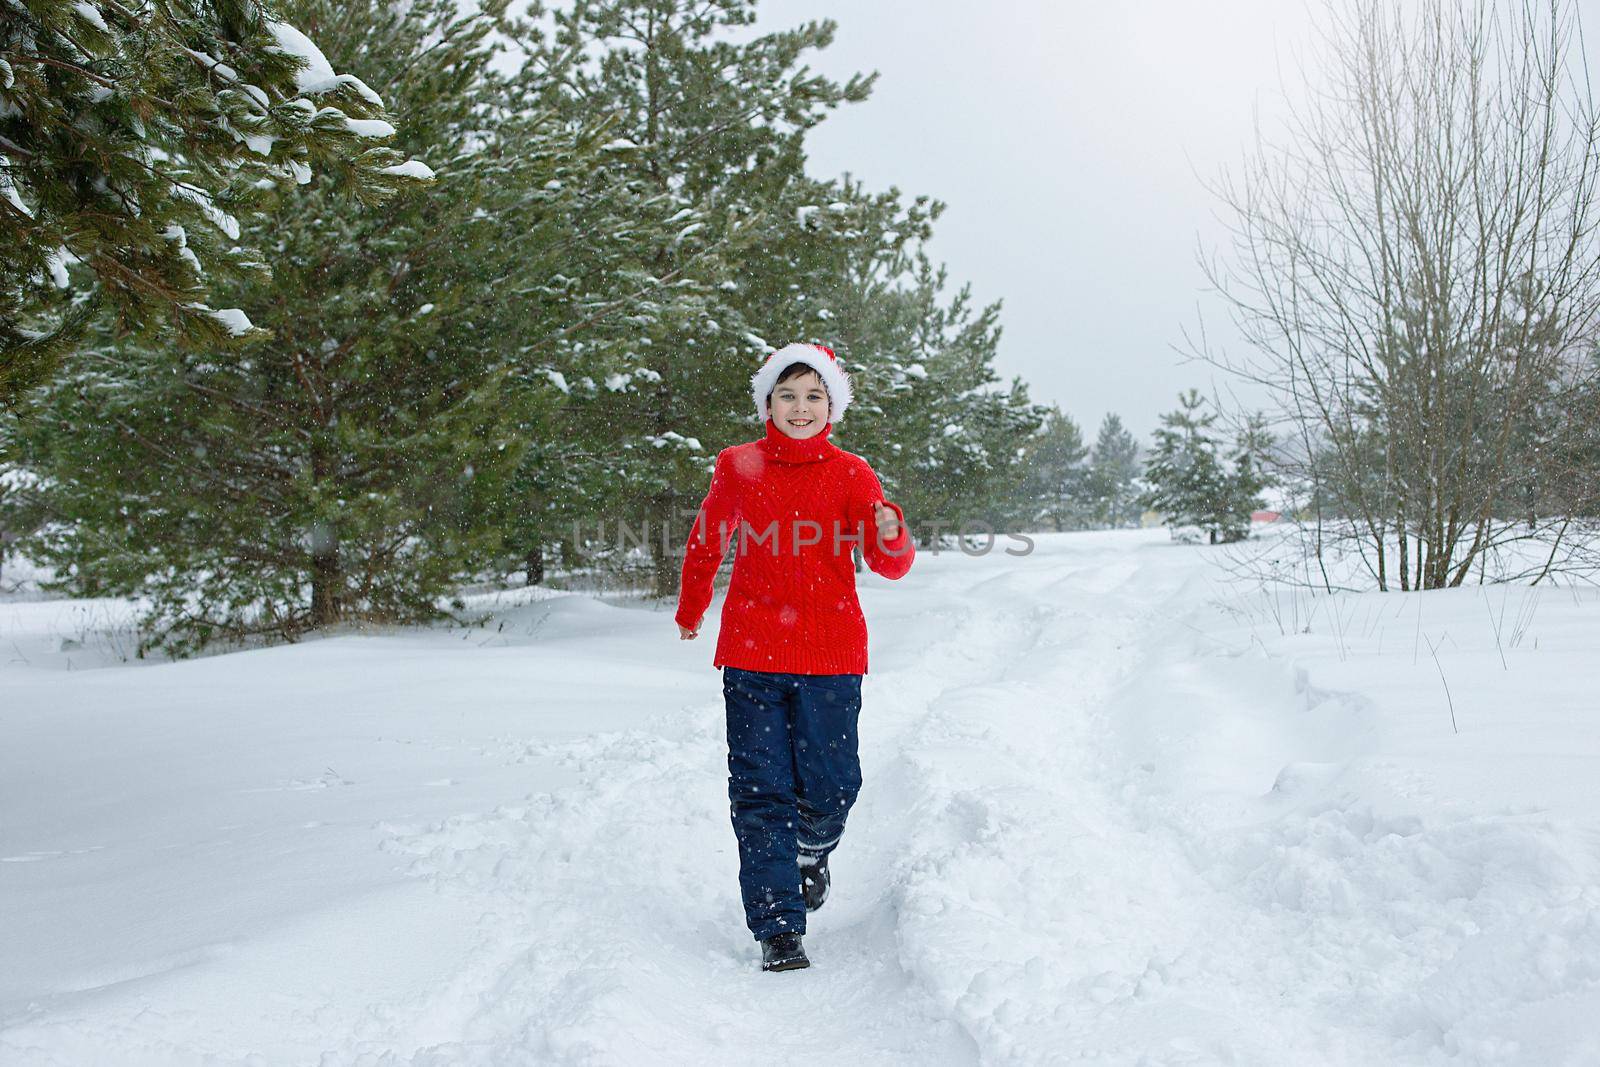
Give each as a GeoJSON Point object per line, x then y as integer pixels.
{"type": "Point", "coordinates": [793, 643]}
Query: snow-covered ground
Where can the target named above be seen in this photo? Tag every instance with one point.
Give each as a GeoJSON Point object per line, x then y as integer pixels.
{"type": "Point", "coordinates": [1116, 810]}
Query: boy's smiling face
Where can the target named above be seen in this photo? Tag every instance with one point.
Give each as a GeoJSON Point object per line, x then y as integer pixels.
{"type": "Point", "coordinates": [799, 406]}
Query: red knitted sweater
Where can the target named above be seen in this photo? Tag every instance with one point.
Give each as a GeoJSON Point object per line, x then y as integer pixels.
{"type": "Point", "coordinates": [798, 507]}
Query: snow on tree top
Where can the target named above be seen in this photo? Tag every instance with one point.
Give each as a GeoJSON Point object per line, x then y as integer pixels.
{"type": "Point", "coordinates": [237, 322]}
{"type": "Point", "coordinates": [10, 193]}
{"type": "Point", "coordinates": [18, 478]}
{"type": "Point", "coordinates": [411, 168]}
{"type": "Point", "coordinates": [57, 266]}
{"type": "Point", "coordinates": [202, 199]}
{"type": "Point", "coordinates": [180, 237]}
{"type": "Point", "coordinates": [213, 64]}
{"type": "Point", "coordinates": [673, 437]}
{"type": "Point", "coordinates": [359, 127]}
{"type": "Point", "coordinates": [317, 69]}
{"type": "Point", "coordinates": [318, 75]}
{"type": "Point", "coordinates": [91, 15]}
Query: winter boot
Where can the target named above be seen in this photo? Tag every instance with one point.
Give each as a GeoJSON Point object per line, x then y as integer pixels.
{"type": "Point", "coordinates": [814, 879]}
{"type": "Point", "coordinates": [783, 952]}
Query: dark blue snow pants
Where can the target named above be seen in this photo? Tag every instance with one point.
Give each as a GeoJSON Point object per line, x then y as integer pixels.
{"type": "Point", "coordinates": [793, 772]}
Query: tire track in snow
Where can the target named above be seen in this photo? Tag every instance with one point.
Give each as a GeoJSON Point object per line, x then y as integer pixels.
{"type": "Point", "coordinates": [992, 832]}
{"type": "Point", "coordinates": [1031, 900]}
{"type": "Point", "coordinates": [1066, 905]}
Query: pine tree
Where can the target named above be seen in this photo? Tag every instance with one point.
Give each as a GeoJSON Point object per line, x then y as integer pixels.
{"type": "Point", "coordinates": [715, 126]}
{"type": "Point", "coordinates": [1187, 483]}
{"type": "Point", "coordinates": [132, 140]}
{"type": "Point", "coordinates": [956, 433]}
{"type": "Point", "coordinates": [1113, 474]}
{"type": "Point", "coordinates": [1246, 481]}
{"type": "Point", "coordinates": [1057, 479]}
{"type": "Point", "coordinates": [947, 437]}
{"type": "Point", "coordinates": [1570, 451]}
{"type": "Point", "coordinates": [360, 463]}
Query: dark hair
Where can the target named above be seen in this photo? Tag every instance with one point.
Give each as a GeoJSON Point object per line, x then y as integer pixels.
{"type": "Point", "coordinates": [795, 370]}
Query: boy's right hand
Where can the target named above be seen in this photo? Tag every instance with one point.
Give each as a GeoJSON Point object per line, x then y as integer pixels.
{"type": "Point", "coordinates": [686, 634]}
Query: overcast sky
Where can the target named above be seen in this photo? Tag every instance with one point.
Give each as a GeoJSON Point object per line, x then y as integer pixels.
{"type": "Point", "coordinates": [1065, 137]}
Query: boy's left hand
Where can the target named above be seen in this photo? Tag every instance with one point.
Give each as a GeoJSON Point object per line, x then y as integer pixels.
{"type": "Point", "coordinates": [888, 522]}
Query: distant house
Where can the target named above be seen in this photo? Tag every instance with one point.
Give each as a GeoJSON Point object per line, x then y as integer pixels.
{"type": "Point", "coordinates": [1264, 517]}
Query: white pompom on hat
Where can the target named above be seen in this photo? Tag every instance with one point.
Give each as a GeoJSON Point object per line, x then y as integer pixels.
{"type": "Point", "coordinates": [820, 359]}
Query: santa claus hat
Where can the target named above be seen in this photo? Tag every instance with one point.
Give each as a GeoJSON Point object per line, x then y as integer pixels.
{"type": "Point", "coordinates": [820, 359]}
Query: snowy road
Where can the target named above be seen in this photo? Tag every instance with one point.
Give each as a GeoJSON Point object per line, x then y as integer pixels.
{"type": "Point", "coordinates": [1114, 811]}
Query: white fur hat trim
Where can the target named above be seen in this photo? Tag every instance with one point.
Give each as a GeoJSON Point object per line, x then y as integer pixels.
{"type": "Point", "coordinates": [819, 359]}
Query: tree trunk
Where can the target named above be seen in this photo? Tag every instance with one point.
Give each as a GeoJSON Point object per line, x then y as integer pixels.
{"type": "Point", "coordinates": [327, 601]}
{"type": "Point", "coordinates": [536, 564]}
{"type": "Point", "coordinates": [664, 576]}
{"type": "Point", "coordinates": [664, 560]}
{"type": "Point", "coordinates": [326, 604]}
{"type": "Point", "coordinates": [1400, 539]}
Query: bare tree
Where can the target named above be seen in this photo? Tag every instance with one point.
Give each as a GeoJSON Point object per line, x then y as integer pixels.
{"type": "Point", "coordinates": [1413, 265]}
